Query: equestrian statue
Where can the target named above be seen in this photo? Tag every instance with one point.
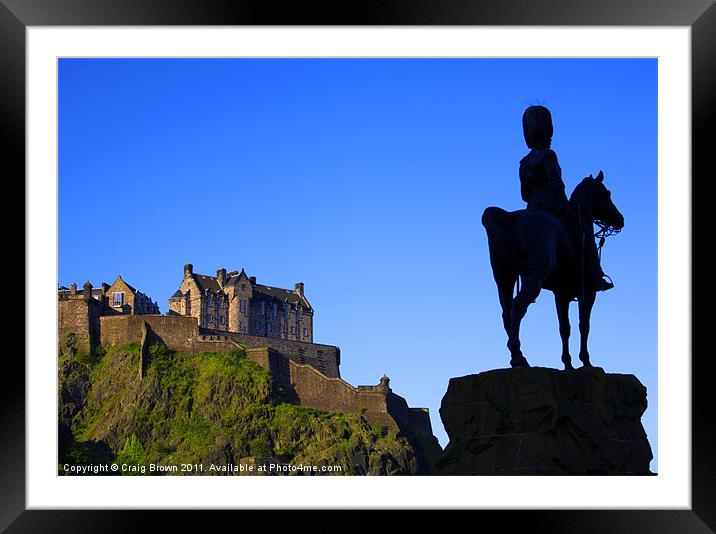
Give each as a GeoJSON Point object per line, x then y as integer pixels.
{"type": "Point", "coordinates": [551, 244]}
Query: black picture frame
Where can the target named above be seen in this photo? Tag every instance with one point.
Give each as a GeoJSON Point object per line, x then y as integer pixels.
{"type": "Point", "coordinates": [699, 15]}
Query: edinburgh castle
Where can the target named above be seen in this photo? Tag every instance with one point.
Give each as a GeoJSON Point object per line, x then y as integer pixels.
{"type": "Point", "coordinates": [224, 312]}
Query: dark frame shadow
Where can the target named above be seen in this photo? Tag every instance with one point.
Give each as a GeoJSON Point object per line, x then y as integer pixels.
{"type": "Point", "coordinates": [699, 15]}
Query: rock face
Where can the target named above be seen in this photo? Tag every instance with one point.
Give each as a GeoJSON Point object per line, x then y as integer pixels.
{"type": "Point", "coordinates": [539, 421]}
{"type": "Point", "coordinates": [213, 409]}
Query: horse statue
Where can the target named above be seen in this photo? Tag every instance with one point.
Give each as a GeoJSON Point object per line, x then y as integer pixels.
{"type": "Point", "coordinates": [534, 246]}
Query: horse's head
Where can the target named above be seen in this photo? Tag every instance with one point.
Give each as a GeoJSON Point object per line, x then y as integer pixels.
{"type": "Point", "coordinates": [599, 200]}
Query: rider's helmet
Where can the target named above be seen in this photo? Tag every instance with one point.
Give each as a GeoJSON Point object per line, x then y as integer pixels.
{"type": "Point", "coordinates": [537, 127]}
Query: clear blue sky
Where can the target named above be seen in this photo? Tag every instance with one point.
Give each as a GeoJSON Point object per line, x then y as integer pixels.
{"type": "Point", "coordinates": [365, 179]}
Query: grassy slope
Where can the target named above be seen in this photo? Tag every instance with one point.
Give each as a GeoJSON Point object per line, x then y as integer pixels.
{"type": "Point", "coordinates": [207, 408]}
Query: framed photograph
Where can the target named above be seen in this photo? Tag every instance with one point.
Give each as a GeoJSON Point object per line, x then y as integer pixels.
{"type": "Point", "coordinates": [286, 245]}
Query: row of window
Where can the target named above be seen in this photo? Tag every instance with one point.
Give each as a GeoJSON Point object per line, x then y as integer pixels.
{"type": "Point", "coordinates": [243, 308]}
{"type": "Point", "coordinates": [219, 300]}
{"type": "Point", "coordinates": [210, 319]}
{"type": "Point", "coordinates": [257, 326]}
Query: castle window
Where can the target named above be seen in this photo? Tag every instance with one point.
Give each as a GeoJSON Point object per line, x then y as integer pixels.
{"type": "Point", "coordinates": [275, 310]}
{"type": "Point", "coordinates": [288, 310]}
{"type": "Point", "coordinates": [263, 308]}
{"type": "Point", "coordinates": [257, 326]}
{"type": "Point", "coordinates": [222, 319]}
{"type": "Point", "coordinates": [209, 318]}
{"type": "Point", "coordinates": [241, 326]}
{"type": "Point", "coordinates": [117, 299]}
{"type": "Point", "coordinates": [218, 301]}
{"type": "Point", "coordinates": [305, 332]}
{"type": "Point", "coordinates": [208, 300]}
{"type": "Point", "coordinates": [269, 327]}
{"type": "Point", "coordinates": [298, 312]}
{"type": "Point", "coordinates": [280, 329]}
{"type": "Point", "coordinates": [293, 330]}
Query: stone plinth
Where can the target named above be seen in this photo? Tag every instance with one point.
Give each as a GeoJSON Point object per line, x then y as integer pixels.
{"type": "Point", "coordinates": [539, 421]}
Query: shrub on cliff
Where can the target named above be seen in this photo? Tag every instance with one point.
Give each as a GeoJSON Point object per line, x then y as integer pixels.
{"type": "Point", "coordinates": [132, 454]}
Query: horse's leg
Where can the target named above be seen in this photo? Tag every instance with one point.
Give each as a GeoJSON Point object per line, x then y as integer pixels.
{"type": "Point", "coordinates": [505, 286]}
{"type": "Point", "coordinates": [585, 312]}
{"type": "Point", "coordinates": [562, 304]}
{"type": "Point", "coordinates": [531, 286]}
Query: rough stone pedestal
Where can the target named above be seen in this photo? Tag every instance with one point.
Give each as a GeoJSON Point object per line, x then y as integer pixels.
{"type": "Point", "coordinates": [539, 421]}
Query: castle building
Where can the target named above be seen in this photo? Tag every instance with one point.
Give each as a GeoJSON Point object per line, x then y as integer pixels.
{"type": "Point", "coordinates": [119, 297]}
{"type": "Point", "coordinates": [235, 302]}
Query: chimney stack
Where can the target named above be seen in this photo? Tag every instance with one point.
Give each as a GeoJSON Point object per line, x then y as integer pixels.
{"type": "Point", "coordinates": [252, 279]}
{"type": "Point", "coordinates": [73, 289]}
{"type": "Point", "coordinates": [87, 290]}
{"type": "Point", "coordinates": [221, 276]}
{"type": "Point", "coordinates": [299, 288]}
{"type": "Point", "coordinates": [188, 270]}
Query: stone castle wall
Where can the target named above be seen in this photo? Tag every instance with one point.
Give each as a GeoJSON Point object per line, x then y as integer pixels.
{"type": "Point", "coordinates": [309, 387]}
{"type": "Point", "coordinates": [178, 333]}
{"type": "Point", "coordinates": [182, 333]}
{"type": "Point", "coordinates": [325, 358]}
{"type": "Point", "coordinates": [80, 316]}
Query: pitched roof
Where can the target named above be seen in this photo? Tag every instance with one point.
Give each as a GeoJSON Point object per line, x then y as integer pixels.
{"type": "Point", "coordinates": [207, 283]}
{"type": "Point", "coordinates": [280, 294]}
{"type": "Point", "coordinates": [119, 277]}
{"type": "Point", "coordinates": [177, 294]}
{"type": "Point", "coordinates": [284, 295]}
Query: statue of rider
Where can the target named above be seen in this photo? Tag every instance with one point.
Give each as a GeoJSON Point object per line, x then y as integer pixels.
{"type": "Point", "coordinates": [542, 187]}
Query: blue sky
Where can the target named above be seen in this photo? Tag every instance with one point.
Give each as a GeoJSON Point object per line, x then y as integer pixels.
{"type": "Point", "coordinates": [366, 180]}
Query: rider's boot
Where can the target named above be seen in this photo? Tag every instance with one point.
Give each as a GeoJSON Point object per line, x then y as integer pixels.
{"type": "Point", "coordinates": [600, 284]}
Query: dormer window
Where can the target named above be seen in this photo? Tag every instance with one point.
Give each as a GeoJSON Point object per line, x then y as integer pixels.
{"type": "Point", "coordinates": [118, 299]}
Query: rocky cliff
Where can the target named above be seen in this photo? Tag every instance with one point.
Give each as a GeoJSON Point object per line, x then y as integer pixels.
{"type": "Point", "coordinates": [538, 421]}
{"type": "Point", "coordinates": [210, 409]}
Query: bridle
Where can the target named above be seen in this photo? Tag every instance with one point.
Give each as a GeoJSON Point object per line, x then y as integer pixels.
{"type": "Point", "coordinates": [604, 231]}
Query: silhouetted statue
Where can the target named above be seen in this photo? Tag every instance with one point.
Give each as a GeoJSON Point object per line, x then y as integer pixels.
{"type": "Point", "coordinates": [542, 187]}
{"type": "Point", "coordinates": [550, 244]}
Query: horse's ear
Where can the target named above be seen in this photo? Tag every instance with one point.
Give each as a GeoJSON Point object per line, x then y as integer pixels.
{"type": "Point", "coordinates": [600, 176]}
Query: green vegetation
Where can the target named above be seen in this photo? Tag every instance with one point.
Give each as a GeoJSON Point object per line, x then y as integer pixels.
{"type": "Point", "coordinates": [132, 454]}
{"type": "Point", "coordinates": [208, 408]}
